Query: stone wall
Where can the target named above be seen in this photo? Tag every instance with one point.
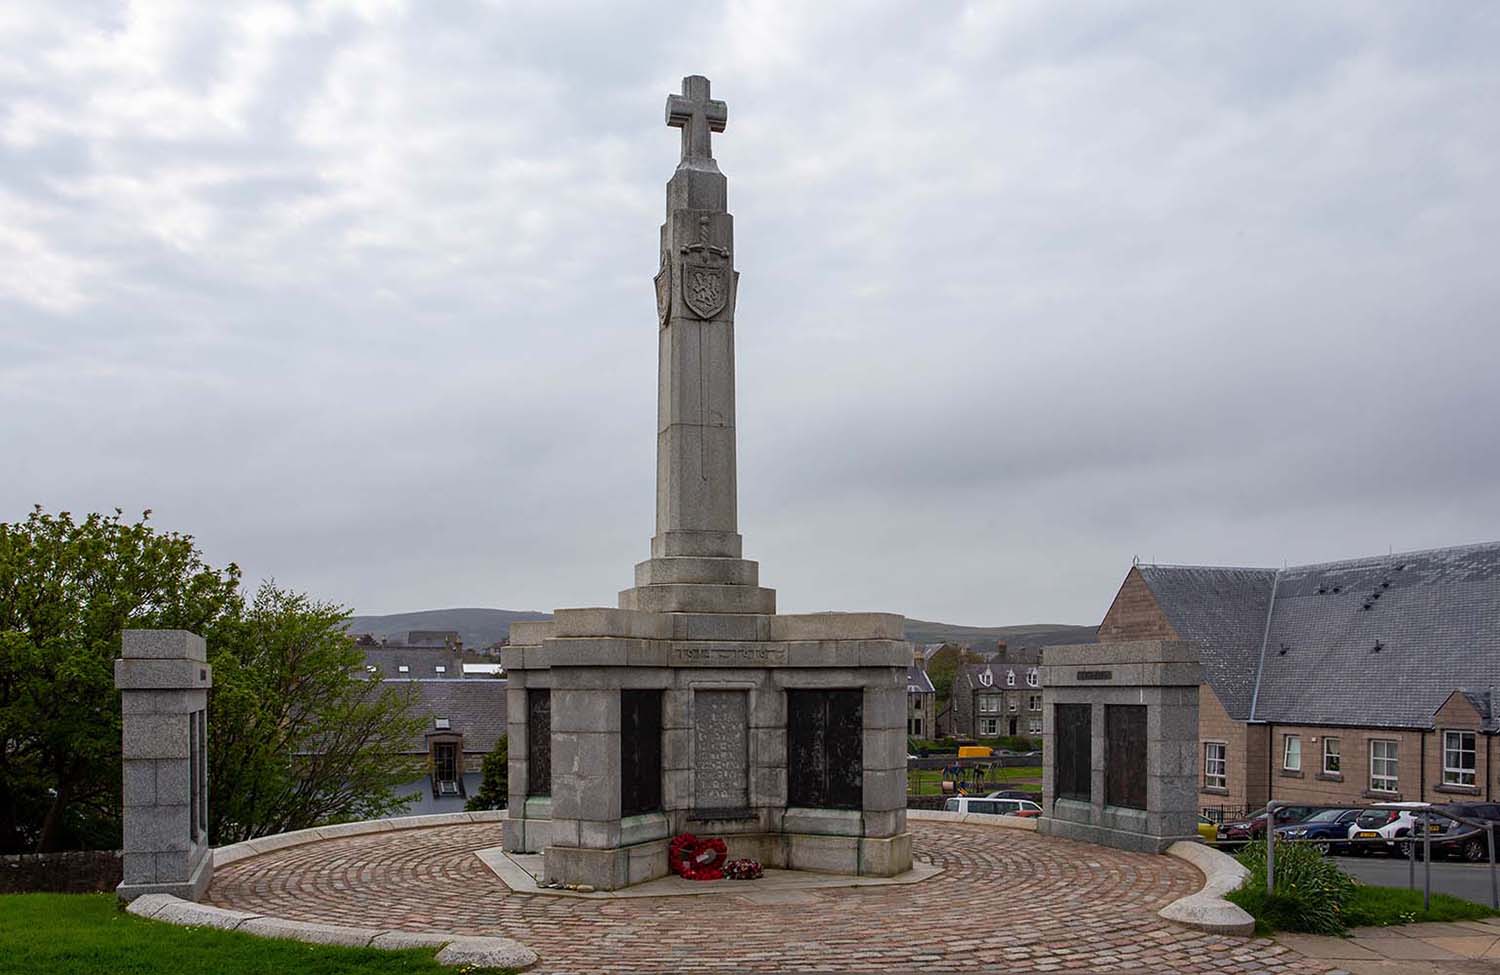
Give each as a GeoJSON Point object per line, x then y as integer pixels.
{"type": "Point", "coordinates": [73, 872]}
{"type": "Point", "coordinates": [1134, 614]}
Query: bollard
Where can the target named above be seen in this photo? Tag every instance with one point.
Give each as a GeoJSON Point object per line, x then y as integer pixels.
{"type": "Point", "coordinates": [1271, 847]}
{"type": "Point", "coordinates": [1489, 829]}
{"type": "Point", "coordinates": [1411, 860]}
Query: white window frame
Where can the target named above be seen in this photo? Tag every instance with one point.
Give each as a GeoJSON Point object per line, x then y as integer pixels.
{"type": "Point", "coordinates": [1334, 754]}
{"type": "Point", "coordinates": [1286, 753]}
{"type": "Point", "coordinates": [1380, 781]}
{"type": "Point", "coordinates": [989, 704]}
{"type": "Point", "coordinates": [403, 669]}
{"type": "Point", "coordinates": [1034, 726]}
{"type": "Point", "coordinates": [1013, 706]}
{"type": "Point", "coordinates": [1219, 779]}
{"type": "Point", "coordinates": [440, 669]}
{"type": "Point", "coordinates": [1033, 702]}
{"type": "Point", "coordinates": [1010, 678]}
{"type": "Point", "coordinates": [1033, 678]}
{"type": "Point", "coordinates": [1457, 774]}
{"type": "Point", "coordinates": [990, 727]}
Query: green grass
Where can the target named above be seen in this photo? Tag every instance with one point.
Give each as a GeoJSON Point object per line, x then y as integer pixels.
{"type": "Point", "coordinates": [927, 782]}
{"type": "Point", "coordinates": [84, 934]}
{"type": "Point", "coordinates": [1369, 906]}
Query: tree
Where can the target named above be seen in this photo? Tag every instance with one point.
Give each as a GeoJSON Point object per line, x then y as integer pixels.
{"type": "Point", "coordinates": [494, 787]}
{"type": "Point", "coordinates": [298, 735]}
{"type": "Point", "coordinates": [67, 589]}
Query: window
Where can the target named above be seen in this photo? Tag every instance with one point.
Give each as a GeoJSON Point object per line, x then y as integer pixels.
{"type": "Point", "coordinates": [1458, 758]}
{"type": "Point", "coordinates": [1033, 702]}
{"type": "Point", "coordinates": [989, 727]}
{"type": "Point", "coordinates": [989, 704]}
{"type": "Point", "coordinates": [1331, 756]}
{"type": "Point", "coordinates": [1010, 678]}
{"type": "Point", "coordinates": [1034, 726]}
{"type": "Point", "coordinates": [1015, 705]}
{"type": "Point", "coordinates": [403, 669]}
{"type": "Point", "coordinates": [1033, 678]}
{"type": "Point", "coordinates": [441, 669]}
{"type": "Point", "coordinates": [1216, 765]}
{"type": "Point", "coordinates": [1382, 765]}
{"type": "Point", "coordinates": [441, 724]}
{"type": "Point", "coordinates": [1291, 753]}
{"type": "Point", "coordinates": [914, 727]}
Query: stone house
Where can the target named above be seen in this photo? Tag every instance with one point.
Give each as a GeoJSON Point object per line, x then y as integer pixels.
{"type": "Point", "coordinates": [921, 704]}
{"type": "Point", "coordinates": [1002, 696]}
{"type": "Point", "coordinates": [1367, 680]}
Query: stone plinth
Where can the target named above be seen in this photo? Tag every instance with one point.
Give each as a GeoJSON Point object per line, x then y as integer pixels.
{"type": "Point", "coordinates": [1120, 743]}
{"type": "Point", "coordinates": [164, 677]}
{"type": "Point", "coordinates": [724, 683]}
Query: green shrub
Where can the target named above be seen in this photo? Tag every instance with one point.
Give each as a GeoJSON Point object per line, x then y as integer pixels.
{"type": "Point", "coordinates": [1014, 743]}
{"type": "Point", "coordinates": [494, 787]}
{"type": "Point", "coordinates": [1311, 892]}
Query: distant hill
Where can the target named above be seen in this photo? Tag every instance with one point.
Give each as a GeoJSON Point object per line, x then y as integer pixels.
{"type": "Point", "coordinates": [476, 627]}
{"type": "Point", "coordinates": [984, 637]}
{"type": "Point", "coordinates": [482, 627]}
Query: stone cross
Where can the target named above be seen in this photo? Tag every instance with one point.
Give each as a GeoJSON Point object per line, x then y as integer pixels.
{"type": "Point", "coordinates": [696, 115]}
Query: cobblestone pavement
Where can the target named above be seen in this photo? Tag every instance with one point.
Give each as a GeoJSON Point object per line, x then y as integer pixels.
{"type": "Point", "coordinates": [1007, 901]}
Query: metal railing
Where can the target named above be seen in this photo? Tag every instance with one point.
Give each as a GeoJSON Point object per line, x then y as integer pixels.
{"type": "Point", "coordinates": [1476, 828]}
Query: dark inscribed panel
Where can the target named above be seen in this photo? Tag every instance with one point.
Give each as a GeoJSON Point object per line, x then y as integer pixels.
{"type": "Point", "coordinates": [825, 749]}
{"type": "Point", "coordinates": [538, 742]}
{"type": "Point", "coordinates": [1072, 728]}
{"type": "Point", "coordinates": [640, 752]}
{"type": "Point", "coordinates": [1125, 755]}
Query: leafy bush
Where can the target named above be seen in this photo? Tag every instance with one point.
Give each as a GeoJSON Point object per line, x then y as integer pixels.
{"type": "Point", "coordinates": [494, 787]}
{"type": "Point", "coordinates": [1311, 893]}
{"type": "Point", "coordinates": [1014, 743]}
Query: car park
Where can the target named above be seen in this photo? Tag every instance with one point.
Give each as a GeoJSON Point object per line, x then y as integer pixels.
{"type": "Point", "coordinates": [1327, 830]}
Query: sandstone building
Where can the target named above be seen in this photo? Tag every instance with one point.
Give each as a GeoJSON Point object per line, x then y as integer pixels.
{"type": "Point", "coordinates": [1367, 680]}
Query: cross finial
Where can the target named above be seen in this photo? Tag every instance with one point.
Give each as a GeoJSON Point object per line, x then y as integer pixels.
{"type": "Point", "coordinates": [696, 115]}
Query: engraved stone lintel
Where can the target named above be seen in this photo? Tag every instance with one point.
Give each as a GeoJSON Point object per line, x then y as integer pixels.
{"type": "Point", "coordinates": [748, 655]}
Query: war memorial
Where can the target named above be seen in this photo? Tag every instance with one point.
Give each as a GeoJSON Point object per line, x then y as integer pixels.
{"type": "Point", "coordinates": [693, 707]}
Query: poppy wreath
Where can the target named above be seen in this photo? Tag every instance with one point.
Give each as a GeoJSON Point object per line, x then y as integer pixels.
{"type": "Point", "coordinates": [697, 859]}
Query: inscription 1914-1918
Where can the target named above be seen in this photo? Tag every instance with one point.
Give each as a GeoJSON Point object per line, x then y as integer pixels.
{"type": "Point", "coordinates": [750, 655]}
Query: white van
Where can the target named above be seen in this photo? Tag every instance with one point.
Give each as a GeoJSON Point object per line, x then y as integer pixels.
{"type": "Point", "coordinates": [993, 807]}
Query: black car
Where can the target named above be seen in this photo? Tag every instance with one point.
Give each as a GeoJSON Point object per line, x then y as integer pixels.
{"type": "Point", "coordinates": [1459, 839]}
{"type": "Point", "coordinates": [1327, 830]}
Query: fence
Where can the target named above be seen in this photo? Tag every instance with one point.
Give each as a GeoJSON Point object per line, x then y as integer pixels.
{"type": "Point", "coordinates": [1219, 815]}
{"type": "Point", "coordinates": [77, 872]}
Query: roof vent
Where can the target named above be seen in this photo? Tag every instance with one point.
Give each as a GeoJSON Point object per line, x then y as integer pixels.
{"type": "Point", "coordinates": [1322, 590]}
{"type": "Point", "coordinates": [1337, 589]}
{"type": "Point", "coordinates": [1386, 584]}
{"type": "Point", "coordinates": [1283, 650]}
{"type": "Point", "coordinates": [1378, 647]}
{"type": "Point", "coordinates": [1401, 567]}
{"type": "Point", "coordinates": [1367, 605]}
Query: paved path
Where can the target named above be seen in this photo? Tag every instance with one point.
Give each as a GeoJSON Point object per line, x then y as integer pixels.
{"type": "Point", "coordinates": [1471, 881]}
{"type": "Point", "coordinates": [1460, 948]}
{"type": "Point", "coordinates": [1007, 900]}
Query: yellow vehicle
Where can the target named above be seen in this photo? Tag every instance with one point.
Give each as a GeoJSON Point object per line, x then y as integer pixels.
{"type": "Point", "coordinates": [1207, 830]}
{"type": "Point", "coordinates": [975, 751]}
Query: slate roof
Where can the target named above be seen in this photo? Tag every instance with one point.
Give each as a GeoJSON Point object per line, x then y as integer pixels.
{"type": "Point", "coordinates": [475, 708]}
{"type": "Point", "coordinates": [1224, 611]}
{"type": "Point", "coordinates": [421, 660]}
{"type": "Point", "coordinates": [1311, 633]}
{"type": "Point", "coordinates": [917, 681]}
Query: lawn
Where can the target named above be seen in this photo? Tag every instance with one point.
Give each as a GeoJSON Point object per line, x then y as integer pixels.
{"type": "Point", "coordinates": [920, 782]}
{"type": "Point", "coordinates": [84, 934]}
{"type": "Point", "coordinates": [1369, 906]}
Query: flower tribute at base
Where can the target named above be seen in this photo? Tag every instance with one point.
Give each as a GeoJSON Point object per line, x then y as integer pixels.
{"type": "Point", "coordinates": [695, 859]}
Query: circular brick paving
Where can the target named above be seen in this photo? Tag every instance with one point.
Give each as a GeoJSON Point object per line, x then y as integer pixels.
{"type": "Point", "coordinates": [1007, 900]}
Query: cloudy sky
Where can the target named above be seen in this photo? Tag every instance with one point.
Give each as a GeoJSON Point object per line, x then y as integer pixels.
{"type": "Point", "coordinates": [359, 294]}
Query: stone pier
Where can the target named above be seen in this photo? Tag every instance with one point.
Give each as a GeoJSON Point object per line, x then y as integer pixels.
{"type": "Point", "coordinates": [164, 677]}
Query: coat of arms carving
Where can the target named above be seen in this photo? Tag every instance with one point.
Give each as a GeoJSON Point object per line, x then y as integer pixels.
{"type": "Point", "coordinates": [664, 291]}
{"type": "Point", "coordinates": [705, 289]}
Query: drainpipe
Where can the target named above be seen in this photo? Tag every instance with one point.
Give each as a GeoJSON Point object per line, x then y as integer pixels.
{"type": "Point", "coordinates": [1422, 765]}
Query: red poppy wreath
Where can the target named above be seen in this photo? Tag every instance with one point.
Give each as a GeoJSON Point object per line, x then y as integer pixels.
{"type": "Point", "coordinates": [697, 859]}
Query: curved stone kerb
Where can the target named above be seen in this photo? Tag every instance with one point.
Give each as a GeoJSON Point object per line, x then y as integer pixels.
{"type": "Point", "coordinates": [234, 852]}
{"type": "Point", "coordinates": [1207, 910]}
{"type": "Point", "coordinates": [454, 949]}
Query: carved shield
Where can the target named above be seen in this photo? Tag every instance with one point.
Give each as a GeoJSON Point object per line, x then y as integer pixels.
{"type": "Point", "coordinates": [705, 289]}
{"type": "Point", "coordinates": [664, 293]}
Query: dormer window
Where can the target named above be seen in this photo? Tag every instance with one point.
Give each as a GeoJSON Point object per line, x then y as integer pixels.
{"type": "Point", "coordinates": [440, 669]}
{"type": "Point", "coordinates": [403, 669]}
{"type": "Point", "coordinates": [441, 724]}
{"type": "Point", "coordinates": [1033, 678]}
{"type": "Point", "coordinates": [1010, 678]}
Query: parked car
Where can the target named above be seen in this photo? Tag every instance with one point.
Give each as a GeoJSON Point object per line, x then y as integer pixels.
{"type": "Point", "coordinates": [1253, 827]}
{"type": "Point", "coordinates": [1011, 794]}
{"type": "Point", "coordinates": [1327, 830]}
{"type": "Point", "coordinates": [1387, 827]}
{"type": "Point", "coordinates": [992, 807]}
{"type": "Point", "coordinates": [1459, 839]}
{"type": "Point", "coordinates": [1208, 830]}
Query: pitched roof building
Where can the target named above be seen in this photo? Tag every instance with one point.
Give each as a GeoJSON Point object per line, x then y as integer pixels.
{"type": "Point", "coordinates": [1363, 679]}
